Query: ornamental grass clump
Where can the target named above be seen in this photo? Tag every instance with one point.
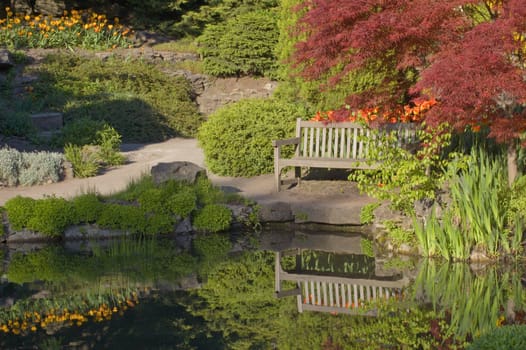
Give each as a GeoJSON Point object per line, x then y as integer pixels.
{"type": "Point", "coordinates": [85, 28]}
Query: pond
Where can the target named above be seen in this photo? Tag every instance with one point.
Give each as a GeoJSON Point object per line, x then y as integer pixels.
{"type": "Point", "coordinates": [279, 290]}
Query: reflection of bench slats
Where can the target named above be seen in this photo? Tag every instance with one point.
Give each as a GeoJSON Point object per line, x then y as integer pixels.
{"type": "Point", "coordinates": [335, 294]}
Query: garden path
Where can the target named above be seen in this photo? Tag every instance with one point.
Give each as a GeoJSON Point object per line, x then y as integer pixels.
{"type": "Point", "coordinates": [329, 202]}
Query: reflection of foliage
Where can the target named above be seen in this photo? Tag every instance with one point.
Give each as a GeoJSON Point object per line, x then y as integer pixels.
{"type": "Point", "coordinates": [141, 261]}
{"type": "Point", "coordinates": [475, 302]}
{"type": "Point", "coordinates": [349, 264]}
{"type": "Point", "coordinates": [238, 301]}
{"type": "Point", "coordinates": [210, 250]}
{"type": "Point", "coordinates": [30, 314]}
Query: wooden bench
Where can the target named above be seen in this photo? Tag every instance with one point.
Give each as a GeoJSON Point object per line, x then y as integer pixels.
{"type": "Point", "coordinates": [342, 145]}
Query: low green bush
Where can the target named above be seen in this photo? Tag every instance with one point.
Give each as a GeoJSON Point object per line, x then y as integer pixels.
{"type": "Point", "coordinates": [183, 202]}
{"type": "Point", "coordinates": [213, 218]}
{"type": "Point", "coordinates": [51, 216]}
{"type": "Point", "coordinates": [135, 97]}
{"type": "Point", "coordinates": [127, 218]}
{"type": "Point", "coordinates": [19, 210]}
{"type": "Point", "coordinates": [207, 193]}
{"type": "Point", "coordinates": [237, 138]}
{"type": "Point", "coordinates": [153, 200]}
{"type": "Point", "coordinates": [80, 132]}
{"type": "Point", "coordinates": [87, 208]}
{"type": "Point", "coordinates": [159, 224]}
{"type": "Point", "coordinates": [506, 337]}
{"type": "Point", "coordinates": [241, 45]}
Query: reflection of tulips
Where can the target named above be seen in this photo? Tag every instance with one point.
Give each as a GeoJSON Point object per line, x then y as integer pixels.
{"type": "Point", "coordinates": [31, 321]}
{"type": "Point", "coordinates": [406, 114]}
{"type": "Point", "coordinates": [77, 28]}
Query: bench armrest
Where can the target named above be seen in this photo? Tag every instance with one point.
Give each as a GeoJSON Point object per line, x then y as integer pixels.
{"type": "Point", "coordinates": [283, 142]}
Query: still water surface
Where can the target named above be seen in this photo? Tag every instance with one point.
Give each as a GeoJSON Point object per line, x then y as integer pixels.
{"type": "Point", "coordinates": [283, 290]}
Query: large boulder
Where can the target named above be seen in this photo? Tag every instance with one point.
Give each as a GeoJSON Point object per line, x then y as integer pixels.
{"type": "Point", "coordinates": [179, 171]}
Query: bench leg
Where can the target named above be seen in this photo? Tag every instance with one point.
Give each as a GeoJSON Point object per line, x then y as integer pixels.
{"type": "Point", "coordinates": [277, 177]}
{"type": "Point", "coordinates": [297, 174]}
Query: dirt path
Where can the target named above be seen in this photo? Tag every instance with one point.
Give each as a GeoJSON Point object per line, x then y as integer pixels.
{"type": "Point", "coordinates": [140, 160]}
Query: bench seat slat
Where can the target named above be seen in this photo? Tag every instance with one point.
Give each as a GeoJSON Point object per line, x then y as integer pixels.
{"type": "Point", "coordinates": [336, 163]}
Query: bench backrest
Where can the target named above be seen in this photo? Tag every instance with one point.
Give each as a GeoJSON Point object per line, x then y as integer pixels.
{"type": "Point", "coordinates": [345, 140]}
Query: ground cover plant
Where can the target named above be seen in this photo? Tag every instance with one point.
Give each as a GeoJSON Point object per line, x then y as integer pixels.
{"type": "Point", "coordinates": [134, 97]}
{"type": "Point", "coordinates": [84, 29]}
{"type": "Point", "coordinates": [144, 209]}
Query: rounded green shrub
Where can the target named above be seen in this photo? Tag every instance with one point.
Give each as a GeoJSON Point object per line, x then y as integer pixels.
{"type": "Point", "coordinates": [87, 208]}
{"type": "Point", "coordinates": [241, 45]}
{"type": "Point", "coordinates": [183, 202]}
{"type": "Point", "coordinates": [19, 210]}
{"type": "Point", "coordinates": [51, 216]}
{"type": "Point", "coordinates": [213, 218]}
{"type": "Point", "coordinates": [128, 218]}
{"type": "Point", "coordinates": [237, 139]}
{"type": "Point", "coordinates": [507, 337]}
{"type": "Point", "coordinates": [153, 200]}
{"type": "Point", "coordinates": [159, 224]}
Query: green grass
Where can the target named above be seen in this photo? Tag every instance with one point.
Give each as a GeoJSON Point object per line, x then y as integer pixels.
{"type": "Point", "coordinates": [142, 103]}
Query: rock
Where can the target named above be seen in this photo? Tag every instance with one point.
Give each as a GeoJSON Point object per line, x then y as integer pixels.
{"type": "Point", "coordinates": [90, 231]}
{"type": "Point", "coordinates": [275, 212]}
{"type": "Point", "coordinates": [185, 226]}
{"type": "Point", "coordinates": [184, 241]}
{"type": "Point", "coordinates": [179, 171]}
{"type": "Point", "coordinates": [6, 61]}
{"type": "Point", "coordinates": [26, 236]}
{"type": "Point", "coordinates": [240, 213]}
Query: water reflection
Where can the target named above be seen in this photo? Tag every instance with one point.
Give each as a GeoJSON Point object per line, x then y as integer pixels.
{"type": "Point", "coordinates": [139, 294]}
{"type": "Point", "coordinates": [321, 283]}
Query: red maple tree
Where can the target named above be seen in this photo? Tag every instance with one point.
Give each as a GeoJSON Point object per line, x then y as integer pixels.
{"type": "Point", "coordinates": [469, 55]}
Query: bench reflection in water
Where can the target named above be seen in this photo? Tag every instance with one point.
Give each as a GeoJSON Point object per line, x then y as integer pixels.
{"type": "Point", "coordinates": [326, 292]}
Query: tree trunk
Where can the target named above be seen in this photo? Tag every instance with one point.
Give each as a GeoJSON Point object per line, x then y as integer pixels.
{"type": "Point", "coordinates": [512, 163]}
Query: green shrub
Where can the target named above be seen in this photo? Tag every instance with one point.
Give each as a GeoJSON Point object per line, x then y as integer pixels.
{"type": "Point", "coordinates": [367, 213]}
{"type": "Point", "coordinates": [135, 97]}
{"type": "Point", "coordinates": [127, 218]}
{"type": "Point", "coordinates": [183, 202]}
{"type": "Point", "coordinates": [80, 132]}
{"type": "Point", "coordinates": [19, 210]}
{"type": "Point", "coordinates": [51, 216]}
{"type": "Point", "coordinates": [213, 218]}
{"type": "Point", "coordinates": [109, 141]}
{"type": "Point", "coordinates": [84, 159]}
{"type": "Point", "coordinates": [153, 200]}
{"type": "Point", "coordinates": [207, 193]}
{"type": "Point", "coordinates": [159, 224]}
{"type": "Point", "coordinates": [237, 139]}
{"type": "Point", "coordinates": [40, 167]}
{"type": "Point", "coordinates": [241, 45]}
{"type": "Point", "coordinates": [135, 188]}
{"type": "Point", "coordinates": [87, 208]}
{"type": "Point", "coordinates": [507, 337]}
